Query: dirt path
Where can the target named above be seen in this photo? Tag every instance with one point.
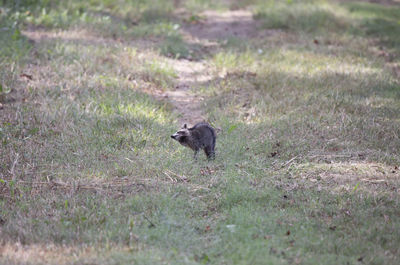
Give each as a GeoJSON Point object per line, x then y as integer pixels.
{"type": "Point", "coordinates": [182, 98]}
{"type": "Point", "coordinates": [213, 28]}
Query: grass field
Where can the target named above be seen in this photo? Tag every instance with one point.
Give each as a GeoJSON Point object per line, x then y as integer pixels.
{"type": "Point", "coordinates": [305, 96]}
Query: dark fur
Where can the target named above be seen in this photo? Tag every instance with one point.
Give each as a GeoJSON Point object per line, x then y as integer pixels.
{"type": "Point", "coordinates": [200, 136]}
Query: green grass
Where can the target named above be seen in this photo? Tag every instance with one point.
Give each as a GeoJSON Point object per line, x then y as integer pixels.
{"type": "Point", "coordinates": [304, 16]}
{"type": "Point", "coordinates": [15, 48]}
{"type": "Point", "coordinates": [174, 46]}
{"type": "Point", "coordinates": [379, 21]}
{"type": "Point", "coordinates": [307, 164]}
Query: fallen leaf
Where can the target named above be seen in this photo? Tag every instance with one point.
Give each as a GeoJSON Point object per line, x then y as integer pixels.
{"type": "Point", "coordinates": [30, 77]}
{"type": "Point", "coordinates": [386, 218]}
{"type": "Point", "coordinates": [231, 228]}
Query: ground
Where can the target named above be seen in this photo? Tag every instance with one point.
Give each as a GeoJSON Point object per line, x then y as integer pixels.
{"type": "Point", "coordinates": [305, 97]}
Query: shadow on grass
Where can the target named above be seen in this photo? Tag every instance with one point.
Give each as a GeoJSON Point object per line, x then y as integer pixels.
{"type": "Point", "coordinates": [379, 21]}
{"type": "Point", "coordinates": [312, 19]}
{"type": "Point", "coordinates": [315, 114]}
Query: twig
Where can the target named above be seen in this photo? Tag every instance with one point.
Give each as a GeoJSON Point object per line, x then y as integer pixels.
{"type": "Point", "coordinates": [166, 174]}
{"type": "Point", "coordinates": [151, 223]}
{"type": "Point", "coordinates": [198, 187]}
{"type": "Point", "coordinates": [13, 166]}
{"type": "Point", "coordinates": [374, 181]}
{"type": "Point", "coordinates": [326, 156]}
{"type": "Point", "coordinates": [313, 156]}
{"type": "Point", "coordinates": [182, 178]}
{"type": "Point", "coordinates": [34, 182]}
{"type": "Point", "coordinates": [66, 185]}
{"type": "Point", "coordinates": [288, 162]}
{"type": "Point", "coordinates": [176, 195]}
{"type": "Point", "coordinates": [87, 187]}
{"type": "Point", "coordinates": [129, 159]}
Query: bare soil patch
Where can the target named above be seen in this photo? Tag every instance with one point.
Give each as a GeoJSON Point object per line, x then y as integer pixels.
{"type": "Point", "coordinates": [215, 26]}
{"type": "Point", "coordinates": [186, 104]}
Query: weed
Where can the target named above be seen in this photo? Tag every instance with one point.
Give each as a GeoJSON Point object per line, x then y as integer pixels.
{"type": "Point", "coordinates": [175, 47]}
